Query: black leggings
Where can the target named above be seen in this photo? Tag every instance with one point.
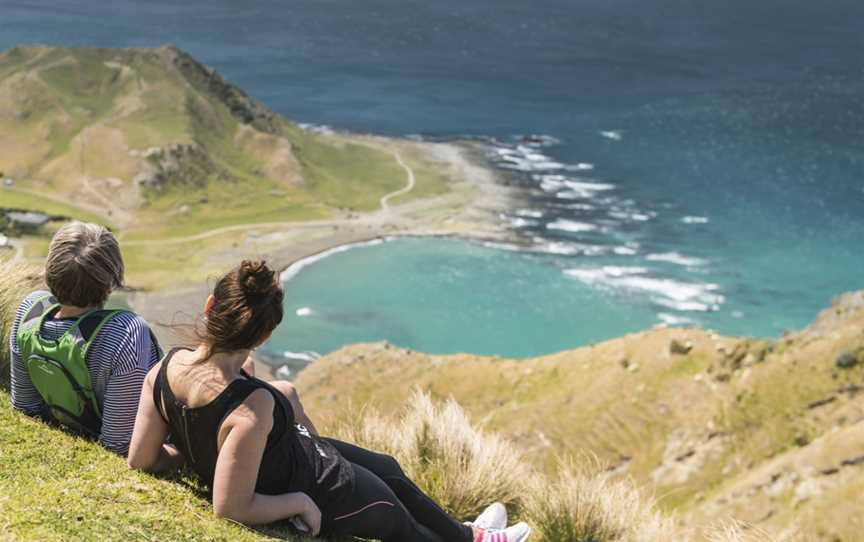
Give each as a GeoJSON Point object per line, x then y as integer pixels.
{"type": "Point", "coordinates": [385, 505]}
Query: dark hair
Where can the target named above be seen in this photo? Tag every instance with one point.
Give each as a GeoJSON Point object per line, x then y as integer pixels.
{"type": "Point", "coordinates": [83, 265]}
{"type": "Point", "coordinates": [247, 307]}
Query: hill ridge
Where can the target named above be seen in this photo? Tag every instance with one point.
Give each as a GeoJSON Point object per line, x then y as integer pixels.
{"type": "Point", "coordinates": [766, 431]}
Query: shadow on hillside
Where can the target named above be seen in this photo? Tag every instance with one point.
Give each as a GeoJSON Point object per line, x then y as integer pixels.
{"type": "Point", "coordinates": [281, 529]}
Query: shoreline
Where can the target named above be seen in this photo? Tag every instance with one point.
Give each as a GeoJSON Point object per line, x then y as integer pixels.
{"type": "Point", "coordinates": [469, 211]}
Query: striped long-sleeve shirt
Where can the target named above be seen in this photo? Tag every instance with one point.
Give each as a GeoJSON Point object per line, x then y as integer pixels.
{"type": "Point", "coordinates": [118, 360]}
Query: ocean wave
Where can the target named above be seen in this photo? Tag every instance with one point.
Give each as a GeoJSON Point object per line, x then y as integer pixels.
{"type": "Point", "coordinates": [317, 128]}
{"type": "Point", "coordinates": [538, 140]}
{"type": "Point", "coordinates": [634, 216]}
{"type": "Point", "coordinates": [519, 222]}
{"type": "Point", "coordinates": [580, 206]}
{"type": "Point", "coordinates": [677, 295]}
{"type": "Point", "coordinates": [529, 213]}
{"type": "Point", "coordinates": [581, 166]}
{"type": "Point", "coordinates": [308, 355]}
{"type": "Point", "coordinates": [586, 205]}
{"type": "Point", "coordinates": [303, 311]}
{"type": "Point", "coordinates": [676, 258]}
{"type": "Point", "coordinates": [695, 220]}
{"type": "Point", "coordinates": [554, 182]}
{"type": "Point", "coordinates": [615, 135]}
{"type": "Point", "coordinates": [675, 320]}
{"type": "Point", "coordinates": [625, 251]}
{"type": "Point", "coordinates": [601, 275]}
{"type": "Point", "coordinates": [294, 269]}
{"type": "Point", "coordinates": [571, 226]}
{"type": "Point", "coordinates": [568, 249]}
{"type": "Point", "coordinates": [503, 246]}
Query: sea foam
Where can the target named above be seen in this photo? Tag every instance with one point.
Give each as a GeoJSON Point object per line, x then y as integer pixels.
{"type": "Point", "coordinates": [294, 269]}
{"type": "Point", "coordinates": [676, 258]}
{"type": "Point", "coordinates": [678, 295]}
{"type": "Point", "coordinates": [571, 226]}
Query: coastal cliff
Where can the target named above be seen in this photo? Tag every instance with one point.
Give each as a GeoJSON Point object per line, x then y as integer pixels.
{"type": "Point", "coordinates": [764, 431]}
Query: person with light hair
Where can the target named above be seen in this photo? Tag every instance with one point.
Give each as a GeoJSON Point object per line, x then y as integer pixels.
{"type": "Point", "coordinates": [74, 363]}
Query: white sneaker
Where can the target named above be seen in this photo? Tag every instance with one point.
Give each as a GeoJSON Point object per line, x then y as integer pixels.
{"type": "Point", "coordinates": [494, 518]}
{"type": "Point", "coordinates": [516, 533]}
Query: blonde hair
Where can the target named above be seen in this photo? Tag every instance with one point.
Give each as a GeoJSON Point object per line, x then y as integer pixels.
{"type": "Point", "coordinates": [84, 264]}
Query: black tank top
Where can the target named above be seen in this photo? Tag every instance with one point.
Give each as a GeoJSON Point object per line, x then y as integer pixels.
{"type": "Point", "coordinates": [294, 459]}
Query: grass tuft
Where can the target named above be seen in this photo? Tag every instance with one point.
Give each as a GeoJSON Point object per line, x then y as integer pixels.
{"type": "Point", "coordinates": [583, 504]}
{"type": "Point", "coordinates": [16, 280]}
{"type": "Point", "coordinates": [458, 465]}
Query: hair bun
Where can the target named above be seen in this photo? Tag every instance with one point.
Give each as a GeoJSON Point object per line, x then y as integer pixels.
{"type": "Point", "coordinates": [256, 278]}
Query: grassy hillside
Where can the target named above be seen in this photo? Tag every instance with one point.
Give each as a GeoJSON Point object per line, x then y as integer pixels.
{"type": "Point", "coordinates": [79, 491]}
{"type": "Point", "coordinates": [140, 134]}
{"type": "Point", "coordinates": [55, 487]}
{"type": "Point", "coordinates": [157, 145]}
{"type": "Point", "coordinates": [768, 432]}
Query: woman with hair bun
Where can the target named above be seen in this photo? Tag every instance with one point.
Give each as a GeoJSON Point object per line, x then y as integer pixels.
{"type": "Point", "coordinates": [250, 442]}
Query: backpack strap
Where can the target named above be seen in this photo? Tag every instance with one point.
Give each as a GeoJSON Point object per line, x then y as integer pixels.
{"type": "Point", "coordinates": [91, 323]}
{"type": "Point", "coordinates": [36, 314]}
{"type": "Point", "coordinates": [155, 344]}
{"type": "Point", "coordinates": [39, 307]}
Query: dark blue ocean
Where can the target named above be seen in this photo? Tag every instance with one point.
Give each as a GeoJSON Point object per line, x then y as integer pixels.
{"type": "Point", "coordinates": [699, 162]}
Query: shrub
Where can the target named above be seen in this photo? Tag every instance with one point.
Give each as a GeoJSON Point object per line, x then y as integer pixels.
{"type": "Point", "coordinates": [583, 504]}
{"type": "Point", "coordinates": [461, 467]}
{"type": "Point", "coordinates": [16, 280]}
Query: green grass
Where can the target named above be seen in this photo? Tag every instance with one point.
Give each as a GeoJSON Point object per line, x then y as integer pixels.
{"type": "Point", "coordinates": [350, 175]}
{"type": "Point", "coordinates": [55, 487]}
{"type": "Point", "coordinates": [16, 199]}
{"type": "Point", "coordinates": [154, 267]}
{"type": "Point", "coordinates": [153, 105]}
{"type": "Point", "coordinates": [430, 179]}
{"type": "Point", "coordinates": [84, 84]}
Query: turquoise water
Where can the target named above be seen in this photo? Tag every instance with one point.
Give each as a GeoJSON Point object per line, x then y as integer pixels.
{"type": "Point", "coordinates": [446, 296]}
{"type": "Point", "coordinates": [443, 296]}
{"type": "Point", "coordinates": [701, 162]}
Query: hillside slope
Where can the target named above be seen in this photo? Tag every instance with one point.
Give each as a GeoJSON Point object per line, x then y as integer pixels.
{"type": "Point", "coordinates": [81, 491]}
{"type": "Point", "coordinates": [769, 432]}
{"type": "Point", "coordinates": [158, 144]}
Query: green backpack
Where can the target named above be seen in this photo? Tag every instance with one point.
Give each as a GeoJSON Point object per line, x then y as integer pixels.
{"type": "Point", "coordinates": [58, 369]}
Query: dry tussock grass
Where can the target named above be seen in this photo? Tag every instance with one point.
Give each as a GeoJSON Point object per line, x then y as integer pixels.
{"type": "Point", "coordinates": [16, 280]}
{"type": "Point", "coordinates": [465, 469]}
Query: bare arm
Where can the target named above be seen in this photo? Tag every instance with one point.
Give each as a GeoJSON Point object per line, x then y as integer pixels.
{"type": "Point", "coordinates": [147, 450]}
{"type": "Point", "coordinates": [245, 437]}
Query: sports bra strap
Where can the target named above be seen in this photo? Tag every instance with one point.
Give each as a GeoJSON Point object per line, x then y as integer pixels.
{"type": "Point", "coordinates": [158, 382]}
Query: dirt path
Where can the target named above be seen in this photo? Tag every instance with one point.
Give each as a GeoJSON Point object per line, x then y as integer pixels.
{"type": "Point", "coordinates": [236, 227]}
{"type": "Point", "coordinates": [408, 187]}
{"type": "Point", "coordinates": [371, 218]}
{"type": "Point", "coordinates": [18, 247]}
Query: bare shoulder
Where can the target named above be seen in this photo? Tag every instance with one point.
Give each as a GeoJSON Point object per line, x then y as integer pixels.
{"type": "Point", "coordinates": [255, 412]}
{"type": "Point", "coordinates": [152, 373]}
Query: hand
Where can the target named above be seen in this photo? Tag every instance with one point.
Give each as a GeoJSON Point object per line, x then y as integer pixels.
{"type": "Point", "coordinates": [310, 514]}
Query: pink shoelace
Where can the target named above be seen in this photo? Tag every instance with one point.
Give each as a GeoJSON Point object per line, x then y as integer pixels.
{"type": "Point", "coordinates": [497, 536]}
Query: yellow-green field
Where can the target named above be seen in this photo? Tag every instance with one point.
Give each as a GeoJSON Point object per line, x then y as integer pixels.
{"type": "Point", "coordinates": [84, 124]}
